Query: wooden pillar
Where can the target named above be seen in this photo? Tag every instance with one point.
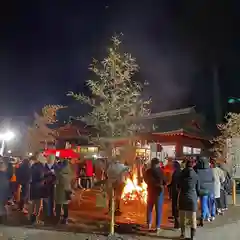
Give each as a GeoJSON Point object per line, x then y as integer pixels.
{"type": "Point", "coordinates": [234, 192]}
{"type": "Point", "coordinates": [112, 223]}
{"type": "Point", "coordinates": [179, 147]}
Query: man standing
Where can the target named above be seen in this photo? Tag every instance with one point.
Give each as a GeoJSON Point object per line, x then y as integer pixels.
{"type": "Point", "coordinates": [155, 180]}
{"type": "Point", "coordinates": [37, 187]}
{"type": "Point", "coordinates": [64, 176]}
{"type": "Point", "coordinates": [50, 180]}
{"type": "Point", "coordinates": [116, 174]}
{"type": "Point", "coordinates": [23, 174]}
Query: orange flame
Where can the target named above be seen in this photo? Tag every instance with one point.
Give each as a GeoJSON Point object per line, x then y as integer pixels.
{"type": "Point", "coordinates": [133, 191]}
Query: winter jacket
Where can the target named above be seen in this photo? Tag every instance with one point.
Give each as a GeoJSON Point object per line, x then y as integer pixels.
{"type": "Point", "coordinates": [155, 180]}
{"type": "Point", "coordinates": [37, 186]}
{"type": "Point", "coordinates": [116, 173]}
{"type": "Point", "coordinates": [227, 184]}
{"type": "Point", "coordinates": [49, 179]}
{"type": "Point", "coordinates": [23, 173]}
{"type": "Point", "coordinates": [189, 187]}
{"type": "Point", "coordinates": [219, 179]}
{"type": "Point", "coordinates": [9, 170]}
{"type": "Point", "coordinates": [4, 186]}
{"type": "Point", "coordinates": [205, 175]}
{"type": "Point", "coordinates": [175, 178]}
{"type": "Point", "coordinates": [64, 176]}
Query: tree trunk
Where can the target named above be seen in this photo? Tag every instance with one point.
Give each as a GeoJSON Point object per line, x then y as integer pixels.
{"type": "Point", "coordinates": [111, 156]}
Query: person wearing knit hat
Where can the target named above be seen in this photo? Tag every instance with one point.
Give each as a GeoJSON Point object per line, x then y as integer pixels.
{"type": "Point", "coordinates": [189, 187]}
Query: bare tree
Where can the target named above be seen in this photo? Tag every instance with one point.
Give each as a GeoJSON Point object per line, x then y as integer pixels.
{"type": "Point", "coordinates": [115, 101]}
{"type": "Point", "coordinates": [228, 130]}
{"type": "Point", "coordinates": [40, 134]}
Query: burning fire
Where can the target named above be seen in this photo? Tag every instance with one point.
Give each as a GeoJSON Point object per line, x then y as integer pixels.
{"type": "Point", "coordinates": [133, 191]}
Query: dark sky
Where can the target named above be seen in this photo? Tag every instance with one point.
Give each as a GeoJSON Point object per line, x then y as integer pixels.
{"type": "Point", "coordinates": [46, 46]}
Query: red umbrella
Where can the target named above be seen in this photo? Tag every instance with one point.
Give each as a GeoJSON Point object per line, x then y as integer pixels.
{"type": "Point", "coordinates": [62, 153]}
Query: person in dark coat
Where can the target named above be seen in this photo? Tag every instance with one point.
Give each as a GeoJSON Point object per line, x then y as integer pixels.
{"type": "Point", "coordinates": [175, 192]}
{"type": "Point", "coordinates": [189, 187]}
{"type": "Point", "coordinates": [23, 174]}
{"type": "Point", "coordinates": [63, 193]}
{"type": "Point", "coordinates": [4, 190]}
{"type": "Point", "coordinates": [9, 172]}
{"type": "Point", "coordinates": [226, 187]}
{"type": "Point", "coordinates": [50, 181]}
{"type": "Point", "coordinates": [37, 188]}
{"type": "Point", "coordinates": [155, 180]}
{"type": "Point", "coordinates": [206, 178]}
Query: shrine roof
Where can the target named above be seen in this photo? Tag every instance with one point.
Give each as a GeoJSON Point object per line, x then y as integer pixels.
{"type": "Point", "coordinates": [177, 122]}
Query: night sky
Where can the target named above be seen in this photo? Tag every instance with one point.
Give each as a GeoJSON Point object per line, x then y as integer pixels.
{"type": "Point", "coordinates": [46, 46]}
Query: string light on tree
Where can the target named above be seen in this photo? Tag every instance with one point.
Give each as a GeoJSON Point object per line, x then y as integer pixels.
{"type": "Point", "coordinates": [115, 101]}
{"type": "Point", "coordinates": [228, 130]}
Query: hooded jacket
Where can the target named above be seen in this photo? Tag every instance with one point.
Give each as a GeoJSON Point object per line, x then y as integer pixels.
{"type": "Point", "coordinates": [205, 175]}
{"type": "Point", "coordinates": [155, 180]}
{"type": "Point", "coordinates": [189, 189]}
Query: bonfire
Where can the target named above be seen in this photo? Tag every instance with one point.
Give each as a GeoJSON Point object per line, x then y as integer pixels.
{"type": "Point", "coordinates": [132, 191]}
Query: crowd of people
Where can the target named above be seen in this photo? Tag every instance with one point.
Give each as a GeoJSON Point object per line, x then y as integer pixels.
{"type": "Point", "coordinates": [200, 181]}
{"type": "Point", "coordinates": [47, 183]}
{"type": "Point", "coordinates": [44, 182]}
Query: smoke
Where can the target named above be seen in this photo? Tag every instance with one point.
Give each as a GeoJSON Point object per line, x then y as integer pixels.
{"type": "Point", "coordinates": [164, 56]}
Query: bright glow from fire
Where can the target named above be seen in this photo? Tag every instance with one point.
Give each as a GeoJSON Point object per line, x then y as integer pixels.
{"type": "Point", "coordinates": [133, 191]}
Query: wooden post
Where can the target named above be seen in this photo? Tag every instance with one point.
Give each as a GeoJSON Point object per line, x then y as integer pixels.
{"type": "Point", "coordinates": [112, 223]}
{"type": "Point", "coordinates": [234, 192]}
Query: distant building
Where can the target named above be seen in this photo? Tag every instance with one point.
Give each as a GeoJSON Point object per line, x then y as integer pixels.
{"type": "Point", "coordinates": [180, 132]}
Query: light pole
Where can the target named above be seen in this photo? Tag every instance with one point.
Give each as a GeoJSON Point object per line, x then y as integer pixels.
{"type": "Point", "coordinates": [7, 136]}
